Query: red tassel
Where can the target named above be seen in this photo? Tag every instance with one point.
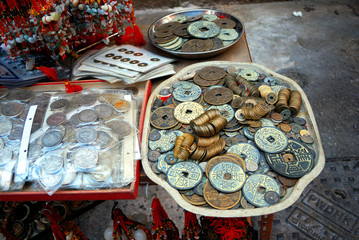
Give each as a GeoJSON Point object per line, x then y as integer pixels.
{"type": "Point", "coordinates": [72, 88]}
{"type": "Point", "coordinates": [54, 222]}
{"type": "Point", "coordinates": [52, 75]}
{"type": "Point", "coordinates": [229, 228]}
{"type": "Point", "coordinates": [132, 36]}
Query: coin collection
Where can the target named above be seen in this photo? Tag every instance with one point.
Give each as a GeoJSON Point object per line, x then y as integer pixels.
{"type": "Point", "coordinates": [239, 149]}
{"type": "Point", "coordinates": [75, 141]}
{"type": "Point", "coordinates": [198, 33]}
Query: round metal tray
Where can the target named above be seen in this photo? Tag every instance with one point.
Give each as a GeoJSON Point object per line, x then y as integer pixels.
{"type": "Point", "coordinates": [189, 13]}
{"type": "Point", "coordinates": [292, 193]}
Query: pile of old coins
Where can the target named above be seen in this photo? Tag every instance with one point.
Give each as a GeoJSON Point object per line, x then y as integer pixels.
{"type": "Point", "coordinates": [199, 33]}
{"type": "Point", "coordinates": [229, 138]}
{"type": "Point", "coordinates": [75, 139]}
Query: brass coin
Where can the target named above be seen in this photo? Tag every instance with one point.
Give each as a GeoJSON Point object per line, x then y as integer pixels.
{"type": "Point", "coordinates": [209, 44]}
{"type": "Point", "coordinates": [218, 96]}
{"type": "Point", "coordinates": [194, 18]}
{"type": "Point", "coordinates": [181, 30]}
{"type": "Point", "coordinates": [240, 160]}
{"type": "Point", "coordinates": [203, 82]}
{"type": "Point", "coordinates": [225, 23]}
{"type": "Point", "coordinates": [187, 111]}
{"type": "Point", "coordinates": [163, 118]}
{"type": "Point", "coordinates": [163, 34]}
{"type": "Point", "coordinates": [194, 199]}
{"type": "Point", "coordinates": [304, 132]}
{"type": "Point", "coordinates": [212, 73]}
{"type": "Point", "coordinates": [237, 102]}
{"type": "Point", "coordinates": [194, 45]}
{"type": "Point", "coordinates": [170, 26]}
{"type": "Point", "coordinates": [307, 139]}
{"type": "Point", "coordinates": [217, 43]}
{"type": "Point", "coordinates": [219, 200]}
{"type": "Point", "coordinates": [165, 39]}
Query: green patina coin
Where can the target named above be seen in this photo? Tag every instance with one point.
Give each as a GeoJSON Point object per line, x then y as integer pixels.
{"type": "Point", "coordinates": [246, 151]}
{"type": "Point", "coordinates": [187, 92]}
{"type": "Point", "coordinates": [249, 74]}
{"type": "Point", "coordinates": [226, 111]}
{"type": "Point", "coordinates": [270, 140]}
{"type": "Point", "coordinates": [296, 166]}
{"type": "Point", "coordinates": [227, 177]}
{"type": "Point", "coordinates": [199, 188]}
{"type": "Point", "coordinates": [228, 34]}
{"type": "Point", "coordinates": [162, 164]}
{"type": "Point", "coordinates": [184, 175]}
{"type": "Point", "coordinates": [209, 17]}
{"type": "Point", "coordinates": [256, 186]}
{"type": "Point", "coordinates": [165, 143]}
{"type": "Point", "coordinates": [267, 123]}
{"type": "Point", "coordinates": [203, 29]}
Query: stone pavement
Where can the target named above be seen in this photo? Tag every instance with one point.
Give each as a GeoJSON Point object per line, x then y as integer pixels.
{"type": "Point", "coordinates": [320, 51]}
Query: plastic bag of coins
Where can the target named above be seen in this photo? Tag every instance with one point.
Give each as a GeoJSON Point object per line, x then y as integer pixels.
{"type": "Point", "coordinates": [76, 141]}
{"type": "Point", "coordinates": [195, 32]}
{"type": "Point", "coordinates": [229, 137]}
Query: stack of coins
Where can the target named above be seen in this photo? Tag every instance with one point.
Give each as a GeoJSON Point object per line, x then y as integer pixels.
{"type": "Point", "coordinates": [252, 90]}
{"type": "Point", "coordinates": [255, 112]}
{"type": "Point", "coordinates": [267, 93]}
{"type": "Point", "coordinates": [209, 123]}
{"type": "Point", "coordinates": [295, 102]}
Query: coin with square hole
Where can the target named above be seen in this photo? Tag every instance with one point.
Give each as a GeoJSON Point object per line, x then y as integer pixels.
{"type": "Point", "coordinates": [163, 118]}
{"type": "Point", "coordinates": [184, 175]}
{"type": "Point", "coordinates": [218, 96]}
{"type": "Point", "coordinates": [270, 140]}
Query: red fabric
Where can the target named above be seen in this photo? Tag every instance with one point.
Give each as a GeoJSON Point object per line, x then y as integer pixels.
{"type": "Point", "coordinates": [132, 36]}
{"type": "Point", "coordinates": [229, 228]}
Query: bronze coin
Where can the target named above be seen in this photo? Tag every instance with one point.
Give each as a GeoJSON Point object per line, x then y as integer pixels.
{"type": "Point", "coordinates": [163, 34]}
{"type": "Point", "coordinates": [170, 26]}
{"type": "Point", "coordinates": [218, 96]}
{"type": "Point", "coordinates": [217, 43]}
{"type": "Point", "coordinates": [203, 82]}
{"type": "Point", "coordinates": [213, 161]}
{"type": "Point", "coordinates": [285, 128]}
{"type": "Point", "coordinates": [209, 44]}
{"type": "Point", "coordinates": [165, 39]}
{"type": "Point", "coordinates": [194, 45]}
{"type": "Point", "coordinates": [219, 200]}
{"type": "Point", "coordinates": [194, 199]}
{"type": "Point", "coordinates": [194, 18]}
{"type": "Point", "coordinates": [163, 118]}
{"type": "Point", "coordinates": [212, 73]}
{"type": "Point", "coordinates": [181, 30]}
{"type": "Point", "coordinates": [288, 182]}
{"type": "Point", "coordinates": [241, 161]}
{"type": "Point", "coordinates": [237, 102]}
{"type": "Point", "coordinates": [225, 23]}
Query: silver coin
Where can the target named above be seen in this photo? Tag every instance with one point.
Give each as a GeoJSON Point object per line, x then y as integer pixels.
{"type": "Point", "coordinates": [59, 104]}
{"type": "Point", "coordinates": [251, 166]}
{"type": "Point", "coordinates": [12, 109]}
{"type": "Point", "coordinates": [52, 163]}
{"type": "Point", "coordinates": [85, 158]}
{"type": "Point", "coordinates": [5, 156]}
{"type": "Point", "coordinates": [100, 176]}
{"type": "Point", "coordinates": [16, 132]}
{"type": "Point", "coordinates": [50, 180]}
{"type": "Point", "coordinates": [153, 155]}
{"type": "Point", "coordinates": [87, 116]}
{"type": "Point", "coordinates": [86, 100]}
{"type": "Point", "coordinates": [5, 126]}
{"type": "Point", "coordinates": [51, 138]}
{"type": "Point", "coordinates": [56, 119]}
{"type": "Point", "coordinates": [104, 110]}
{"type": "Point", "coordinates": [74, 120]}
{"type": "Point", "coordinates": [86, 135]}
{"type": "Point", "coordinates": [103, 139]}
{"type": "Point", "coordinates": [245, 204]}
{"type": "Point", "coordinates": [121, 127]}
{"type": "Point", "coordinates": [34, 151]}
{"type": "Point", "coordinates": [23, 95]}
{"type": "Point", "coordinates": [154, 135]}
{"type": "Point", "coordinates": [69, 177]}
{"type": "Point", "coordinates": [2, 144]}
